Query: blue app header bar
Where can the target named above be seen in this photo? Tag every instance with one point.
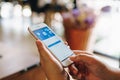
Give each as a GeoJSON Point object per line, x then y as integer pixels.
{"type": "Point", "coordinates": [44, 33]}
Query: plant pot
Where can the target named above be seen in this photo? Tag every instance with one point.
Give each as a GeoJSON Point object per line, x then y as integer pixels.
{"type": "Point", "coordinates": [80, 39]}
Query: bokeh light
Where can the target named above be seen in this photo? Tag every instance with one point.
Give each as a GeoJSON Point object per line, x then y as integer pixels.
{"type": "Point", "coordinates": [26, 11]}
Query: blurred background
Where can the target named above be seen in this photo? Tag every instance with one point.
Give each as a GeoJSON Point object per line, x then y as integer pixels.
{"type": "Point", "coordinates": [101, 36]}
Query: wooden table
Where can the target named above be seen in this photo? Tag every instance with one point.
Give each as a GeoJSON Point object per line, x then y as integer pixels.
{"type": "Point", "coordinates": [18, 52]}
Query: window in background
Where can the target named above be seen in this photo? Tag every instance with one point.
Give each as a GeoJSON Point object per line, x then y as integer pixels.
{"type": "Point", "coordinates": [107, 27]}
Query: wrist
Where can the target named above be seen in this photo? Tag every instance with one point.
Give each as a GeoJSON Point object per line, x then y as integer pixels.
{"type": "Point", "coordinates": [111, 74]}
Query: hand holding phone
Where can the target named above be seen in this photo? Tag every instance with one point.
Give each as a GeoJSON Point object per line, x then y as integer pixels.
{"type": "Point", "coordinates": [52, 42]}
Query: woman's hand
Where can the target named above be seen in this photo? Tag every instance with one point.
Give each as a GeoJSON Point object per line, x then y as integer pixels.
{"type": "Point", "coordinates": [51, 66]}
{"type": "Point", "coordinates": [87, 66]}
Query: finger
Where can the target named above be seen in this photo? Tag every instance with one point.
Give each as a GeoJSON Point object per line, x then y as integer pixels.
{"type": "Point", "coordinates": [82, 57]}
{"type": "Point", "coordinates": [82, 77]}
{"type": "Point", "coordinates": [73, 70]}
{"type": "Point", "coordinates": [77, 52]}
{"type": "Point", "coordinates": [79, 76]}
{"type": "Point", "coordinates": [65, 43]}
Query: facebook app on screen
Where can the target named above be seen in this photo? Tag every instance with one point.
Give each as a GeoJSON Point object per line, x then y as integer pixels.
{"type": "Point", "coordinates": [54, 44]}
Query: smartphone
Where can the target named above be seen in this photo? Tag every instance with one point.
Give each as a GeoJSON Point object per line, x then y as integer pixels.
{"type": "Point", "coordinates": [53, 42]}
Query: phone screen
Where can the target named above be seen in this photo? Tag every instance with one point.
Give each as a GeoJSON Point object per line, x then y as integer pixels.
{"type": "Point", "coordinates": [53, 42]}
